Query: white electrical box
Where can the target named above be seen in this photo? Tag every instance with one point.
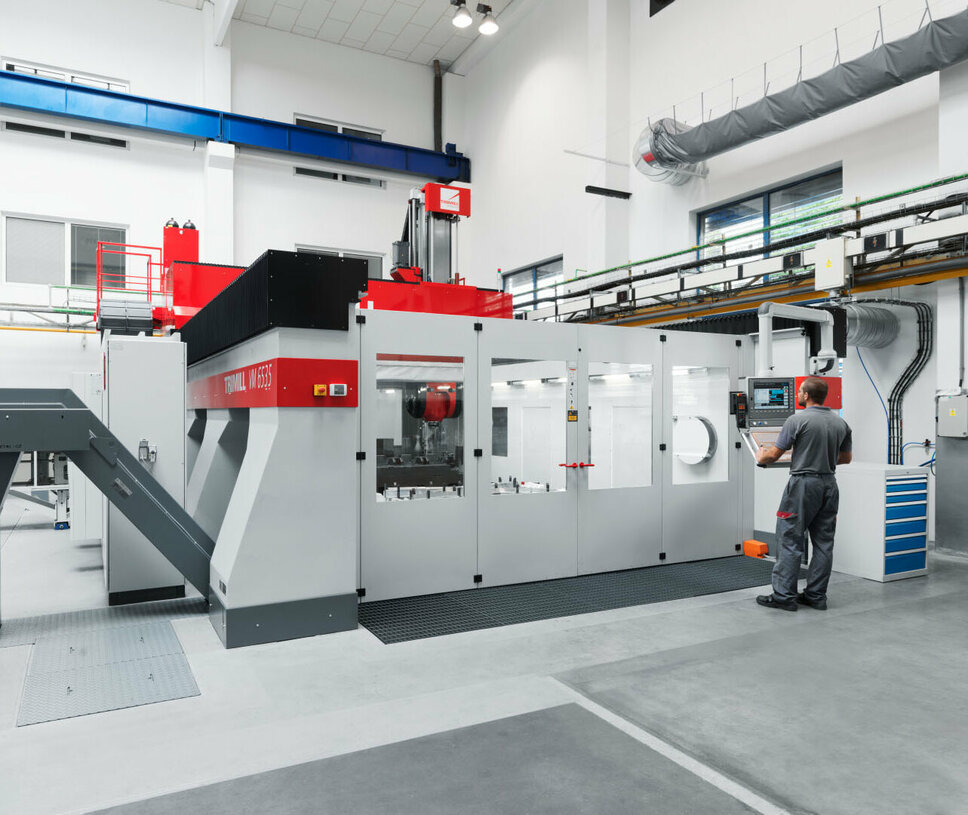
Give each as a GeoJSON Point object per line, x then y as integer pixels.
{"type": "Point", "coordinates": [953, 416]}
{"type": "Point", "coordinates": [337, 390]}
{"type": "Point", "coordinates": [830, 265]}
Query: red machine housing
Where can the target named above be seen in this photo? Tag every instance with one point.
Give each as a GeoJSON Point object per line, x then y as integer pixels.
{"type": "Point", "coordinates": [193, 285]}
{"type": "Point", "coordinates": [437, 298]}
{"type": "Point", "coordinates": [834, 390]}
{"type": "Point", "coordinates": [188, 284]}
{"type": "Point", "coordinates": [447, 200]}
{"type": "Point", "coordinates": [179, 244]}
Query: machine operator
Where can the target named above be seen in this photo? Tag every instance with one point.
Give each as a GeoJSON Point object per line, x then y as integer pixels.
{"type": "Point", "coordinates": [820, 440]}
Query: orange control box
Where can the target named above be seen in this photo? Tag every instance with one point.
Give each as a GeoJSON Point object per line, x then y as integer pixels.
{"type": "Point", "coordinates": [755, 548]}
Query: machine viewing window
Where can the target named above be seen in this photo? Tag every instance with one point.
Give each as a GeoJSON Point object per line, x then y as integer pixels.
{"type": "Point", "coordinates": [528, 426]}
{"type": "Point", "coordinates": [420, 427]}
{"type": "Point", "coordinates": [700, 424]}
{"type": "Point", "coordinates": [620, 425]}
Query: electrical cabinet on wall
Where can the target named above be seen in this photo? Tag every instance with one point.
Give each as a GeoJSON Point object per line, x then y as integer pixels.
{"type": "Point", "coordinates": [144, 406]}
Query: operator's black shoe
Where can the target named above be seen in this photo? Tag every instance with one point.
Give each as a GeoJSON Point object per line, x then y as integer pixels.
{"type": "Point", "coordinates": [770, 601]}
{"type": "Point", "coordinates": [803, 600]}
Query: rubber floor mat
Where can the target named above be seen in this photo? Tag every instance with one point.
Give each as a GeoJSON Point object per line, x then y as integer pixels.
{"type": "Point", "coordinates": [433, 615]}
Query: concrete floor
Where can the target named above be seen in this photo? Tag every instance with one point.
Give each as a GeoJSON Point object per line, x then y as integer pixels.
{"type": "Point", "coordinates": [715, 684]}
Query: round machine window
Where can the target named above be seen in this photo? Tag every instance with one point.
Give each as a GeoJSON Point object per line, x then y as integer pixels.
{"type": "Point", "coordinates": [693, 439]}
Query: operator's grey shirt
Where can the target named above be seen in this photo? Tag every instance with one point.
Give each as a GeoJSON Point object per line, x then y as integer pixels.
{"type": "Point", "coordinates": [817, 435]}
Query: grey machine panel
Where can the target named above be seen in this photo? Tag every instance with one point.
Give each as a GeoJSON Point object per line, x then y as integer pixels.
{"type": "Point", "coordinates": [32, 419]}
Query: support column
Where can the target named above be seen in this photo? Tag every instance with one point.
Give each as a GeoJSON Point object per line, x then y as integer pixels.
{"type": "Point", "coordinates": [952, 159]}
{"type": "Point", "coordinates": [218, 226]}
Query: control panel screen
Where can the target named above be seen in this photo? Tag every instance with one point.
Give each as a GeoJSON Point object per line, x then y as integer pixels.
{"type": "Point", "coordinates": [771, 401]}
{"type": "Point", "coordinates": [772, 398]}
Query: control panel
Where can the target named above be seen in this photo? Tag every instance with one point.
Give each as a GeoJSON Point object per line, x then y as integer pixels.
{"type": "Point", "coordinates": [771, 401]}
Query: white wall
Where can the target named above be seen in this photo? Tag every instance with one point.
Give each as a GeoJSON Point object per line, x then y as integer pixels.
{"type": "Point", "coordinates": [525, 101]}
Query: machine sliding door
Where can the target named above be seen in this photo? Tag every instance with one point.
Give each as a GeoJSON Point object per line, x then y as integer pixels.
{"type": "Point", "coordinates": [529, 421]}
{"type": "Point", "coordinates": [703, 477]}
{"type": "Point", "coordinates": [620, 507]}
{"type": "Point", "coordinates": [418, 419]}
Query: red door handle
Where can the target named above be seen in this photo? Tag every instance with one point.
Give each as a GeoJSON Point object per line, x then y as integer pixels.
{"type": "Point", "coordinates": [582, 464]}
{"type": "Point", "coordinates": [572, 465]}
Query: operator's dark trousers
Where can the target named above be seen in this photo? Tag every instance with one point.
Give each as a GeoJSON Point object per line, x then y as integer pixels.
{"type": "Point", "coordinates": [809, 503]}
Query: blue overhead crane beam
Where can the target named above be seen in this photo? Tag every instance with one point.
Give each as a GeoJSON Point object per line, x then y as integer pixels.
{"type": "Point", "coordinates": [40, 95]}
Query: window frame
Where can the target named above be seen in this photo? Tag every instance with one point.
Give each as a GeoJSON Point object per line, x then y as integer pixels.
{"type": "Point", "coordinates": [82, 78]}
{"type": "Point", "coordinates": [765, 202]}
{"type": "Point", "coordinates": [534, 268]}
{"type": "Point", "coordinates": [345, 129]}
{"type": "Point", "coordinates": [67, 223]}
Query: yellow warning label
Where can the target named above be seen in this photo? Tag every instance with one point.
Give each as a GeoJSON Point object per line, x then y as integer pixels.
{"type": "Point", "coordinates": [953, 412]}
{"type": "Point", "coordinates": [829, 263]}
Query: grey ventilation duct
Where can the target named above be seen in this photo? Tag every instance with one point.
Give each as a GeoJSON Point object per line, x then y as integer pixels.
{"type": "Point", "coordinates": [670, 151]}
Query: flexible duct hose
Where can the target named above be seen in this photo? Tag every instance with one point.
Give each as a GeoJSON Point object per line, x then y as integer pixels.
{"type": "Point", "coordinates": [870, 327]}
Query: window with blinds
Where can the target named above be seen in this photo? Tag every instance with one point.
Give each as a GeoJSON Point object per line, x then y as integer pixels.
{"type": "Point", "coordinates": [34, 251]}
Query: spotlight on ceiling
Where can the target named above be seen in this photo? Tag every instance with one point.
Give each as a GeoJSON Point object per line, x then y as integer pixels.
{"type": "Point", "coordinates": [462, 17]}
{"type": "Point", "coordinates": [488, 25]}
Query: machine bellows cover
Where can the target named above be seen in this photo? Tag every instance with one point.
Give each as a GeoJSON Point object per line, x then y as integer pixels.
{"type": "Point", "coordinates": [279, 290]}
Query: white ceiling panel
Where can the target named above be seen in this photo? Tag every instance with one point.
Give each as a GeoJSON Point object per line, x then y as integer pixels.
{"type": "Point", "coordinates": [313, 14]}
{"type": "Point", "coordinates": [283, 17]}
{"type": "Point", "coordinates": [414, 30]}
{"type": "Point", "coordinates": [332, 30]}
{"type": "Point", "coordinates": [346, 10]}
{"type": "Point", "coordinates": [396, 18]}
{"type": "Point", "coordinates": [363, 26]}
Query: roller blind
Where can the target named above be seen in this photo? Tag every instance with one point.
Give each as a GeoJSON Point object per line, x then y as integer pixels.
{"type": "Point", "coordinates": [34, 251]}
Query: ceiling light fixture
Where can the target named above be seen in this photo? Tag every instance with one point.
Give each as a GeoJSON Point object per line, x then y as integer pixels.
{"type": "Point", "coordinates": [462, 17]}
{"type": "Point", "coordinates": [488, 25]}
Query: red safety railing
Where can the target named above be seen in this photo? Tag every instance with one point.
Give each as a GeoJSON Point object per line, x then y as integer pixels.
{"type": "Point", "coordinates": [128, 284]}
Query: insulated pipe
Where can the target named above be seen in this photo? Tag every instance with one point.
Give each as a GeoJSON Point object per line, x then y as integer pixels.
{"type": "Point", "coordinates": [767, 311]}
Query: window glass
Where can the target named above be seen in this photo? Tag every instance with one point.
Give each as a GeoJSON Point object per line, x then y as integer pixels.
{"type": "Point", "coordinates": [700, 424]}
{"type": "Point", "coordinates": [528, 425]}
{"type": "Point", "coordinates": [620, 425]}
{"type": "Point", "coordinates": [729, 221]}
{"type": "Point", "coordinates": [363, 134]}
{"type": "Point", "coordinates": [420, 427]}
{"type": "Point", "coordinates": [34, 251]}
{"type": "Point", "coordinates": [801, 200]}
{"type": "Point", "coordinates": [317, 125]}
{"type": "Point", "coordinates": [84, 241]}
{"type": "Point", "coordinates": [529, 282]}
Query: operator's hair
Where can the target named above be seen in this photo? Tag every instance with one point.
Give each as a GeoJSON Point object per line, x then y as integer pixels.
{"type": "Point", "coordinates": [815, 388]}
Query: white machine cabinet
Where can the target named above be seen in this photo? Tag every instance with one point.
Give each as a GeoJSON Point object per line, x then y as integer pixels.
{"type": "Point", "coordinates": [144, 406]}
{"type": "Point", "coordinates": [882, 525]}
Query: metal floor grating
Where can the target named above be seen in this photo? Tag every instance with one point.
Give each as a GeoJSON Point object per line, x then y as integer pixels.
{"type": "Point", "coordinates": [433, 615]}
{"type": "Point", "coordinates": [94, 671]}
{"type": "Point", "coordinates": [27, 630]}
